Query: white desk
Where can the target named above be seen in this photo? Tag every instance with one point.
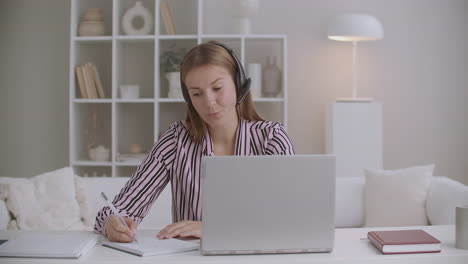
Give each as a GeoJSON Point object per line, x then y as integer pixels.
{"type": "Point", "coordinates": [349, 248]}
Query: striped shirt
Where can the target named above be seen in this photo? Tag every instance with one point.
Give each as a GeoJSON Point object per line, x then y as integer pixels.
{"type": "Point", "coordinates": [175, 158]}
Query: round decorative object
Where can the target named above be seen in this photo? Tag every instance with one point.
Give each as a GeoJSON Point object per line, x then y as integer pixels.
{"type": "Point", "coordinates": [137, 11]}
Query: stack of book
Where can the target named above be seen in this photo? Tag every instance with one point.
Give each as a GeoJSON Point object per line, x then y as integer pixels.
{"type": "Point", "coordinates": [89, 81]}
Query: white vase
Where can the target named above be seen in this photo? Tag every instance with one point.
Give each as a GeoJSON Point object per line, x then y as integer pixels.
{"type": "Point", "coordinates": [243, 11]}
{"type": "Point", "coordinates": [254, 71]}
{"type": "Point", "coordinates": [138, 10]}
{"type": "Point", "coordinates": [175, 89]}
{"type": "Point", "coordinates": [271, 78]}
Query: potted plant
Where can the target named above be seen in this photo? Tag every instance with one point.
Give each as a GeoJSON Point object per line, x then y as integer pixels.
{"type": "Point", "coordinates": [170, 61]}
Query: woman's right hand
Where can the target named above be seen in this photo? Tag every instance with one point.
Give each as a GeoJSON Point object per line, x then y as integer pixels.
{"type": "Point", "coordinates": [118, 232]}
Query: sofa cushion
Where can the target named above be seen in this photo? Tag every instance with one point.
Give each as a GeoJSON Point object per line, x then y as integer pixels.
{"type": "Point", "coordinates": [397, 197]}
{"type": "Point", "coordinates": [4, 215]}
{"type": "Point", "coordinates": [44, 202]}
{"type": "Point", "coordinates": [349, 203]}
{"type": "Point", "coordinates": [443, 197]}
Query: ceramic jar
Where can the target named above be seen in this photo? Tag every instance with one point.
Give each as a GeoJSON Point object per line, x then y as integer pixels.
{"type": "Point", "coordinates": [175, 89]}
{"type": "Point", "coordinates": [99, 153]}
{"type": "Point", "coordinates": [271, 79]}
{"type": "Point", "coordinates": [92, 23]}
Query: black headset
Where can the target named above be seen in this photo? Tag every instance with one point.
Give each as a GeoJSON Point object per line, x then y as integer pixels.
{"type": "Point", "coordinates": [241, 81]}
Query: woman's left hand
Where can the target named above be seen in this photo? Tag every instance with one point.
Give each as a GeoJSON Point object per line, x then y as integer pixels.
{"type": "Point", "coordinates": [181, 229]}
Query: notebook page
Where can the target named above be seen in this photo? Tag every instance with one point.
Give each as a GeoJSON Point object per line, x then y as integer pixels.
{"type": "Point", "coordinates": [151, 246]}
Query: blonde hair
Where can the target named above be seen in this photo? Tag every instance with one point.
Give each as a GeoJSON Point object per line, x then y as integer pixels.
{"type": "Point", "coordinates": [212, 54]}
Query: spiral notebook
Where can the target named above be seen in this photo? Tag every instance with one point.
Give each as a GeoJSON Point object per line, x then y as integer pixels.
{"type": "Point", "coordinates": [49, 245]}
{"type": "Point", "coordinates": [152, 246]}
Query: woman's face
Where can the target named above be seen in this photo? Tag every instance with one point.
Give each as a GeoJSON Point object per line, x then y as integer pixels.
{"type": "Point", "coordinates": [213, 94]}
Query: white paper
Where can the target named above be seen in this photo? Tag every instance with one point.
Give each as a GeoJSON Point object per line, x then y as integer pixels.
{"type": "Point", "coordinates": [151, 246]}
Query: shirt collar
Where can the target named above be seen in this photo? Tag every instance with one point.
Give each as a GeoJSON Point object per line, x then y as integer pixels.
{"type": "Point", "coordinates": [242, 145]}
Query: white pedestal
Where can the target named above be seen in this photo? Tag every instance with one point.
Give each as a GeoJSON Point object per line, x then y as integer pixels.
{"type": "Point", "coordinates": [354, 135]}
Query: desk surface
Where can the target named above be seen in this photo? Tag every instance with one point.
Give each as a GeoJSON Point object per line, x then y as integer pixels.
{"type": "Point", "coordinates": [350, 247]}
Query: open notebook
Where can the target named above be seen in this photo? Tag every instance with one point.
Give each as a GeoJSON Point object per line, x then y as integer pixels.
{"type": "Point", "coordinates": [151, 246]}
{"type": "Point", "coordinates": [49, 245]}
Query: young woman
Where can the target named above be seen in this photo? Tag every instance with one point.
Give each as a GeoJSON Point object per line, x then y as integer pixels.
{"type": "Point", "coordinates": [221, 120]}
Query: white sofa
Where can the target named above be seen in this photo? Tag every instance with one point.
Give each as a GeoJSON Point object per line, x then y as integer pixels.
{"type": "Point", "coordinates": [443, 196]}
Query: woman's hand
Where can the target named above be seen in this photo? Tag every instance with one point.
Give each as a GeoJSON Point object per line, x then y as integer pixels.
{"type": "Point", "coordinates": [182, 229]}
{"type": "Point", "coordinates": [117, 232]}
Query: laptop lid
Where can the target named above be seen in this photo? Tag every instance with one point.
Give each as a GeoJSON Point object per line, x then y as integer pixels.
{"type": "Point", "coordinates": [49, 244]}
{"type": "Point", "coordinates": [268, 204]}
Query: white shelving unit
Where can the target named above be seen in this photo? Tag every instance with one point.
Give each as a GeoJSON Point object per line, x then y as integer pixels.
{"type": "Point", "coordinates": [124, 59]}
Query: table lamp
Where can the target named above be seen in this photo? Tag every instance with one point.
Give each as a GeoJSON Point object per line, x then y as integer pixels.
{"type": "Point", "coordinates": [355, 28]}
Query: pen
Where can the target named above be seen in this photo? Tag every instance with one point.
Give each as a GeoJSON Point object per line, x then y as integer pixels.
{"type": "Point", "coordinates": [114, 211]}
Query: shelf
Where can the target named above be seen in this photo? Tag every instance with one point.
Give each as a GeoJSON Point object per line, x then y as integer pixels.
{"type": "Point", "coordinates": [93, 101]}
{"type": "Point", "coordinates": [141, 100]}
{"type": "Point", "coordinates": [93, 39]}
{"type": "Point", "coordinates": [121, 59]}
{"type": "Point", "coordinates": [166, 37]}
{"type": "Point", "coordinates": [136, 38]}
{"type": "Point", "coordinates": [127, 164]}
{"type": "Point", "coordinates": [91, 163]}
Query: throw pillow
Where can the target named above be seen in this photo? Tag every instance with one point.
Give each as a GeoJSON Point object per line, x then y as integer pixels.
{"type": "Point", "coordinates": [397, 197]}
{"type": "Point", "coordinates": [443, 197]}
{"type": "Point", "coordinates": [44, 202]}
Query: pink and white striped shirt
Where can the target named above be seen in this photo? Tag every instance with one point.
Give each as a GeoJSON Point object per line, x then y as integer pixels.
{"type": "Point", "coordinates": [176, 158]}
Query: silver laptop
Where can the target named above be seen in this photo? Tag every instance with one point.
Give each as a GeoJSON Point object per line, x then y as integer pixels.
{"type": "Point", "coordinates": [49, 244]}
{"type": "Point", "coordinates": [268, 204]}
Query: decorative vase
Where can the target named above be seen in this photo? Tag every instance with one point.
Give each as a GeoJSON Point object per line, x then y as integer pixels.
{"type": "Point", "coordinates": [271, 78]}
{"type": "Point", "coordinates": [99, 153]}
{"type": "Point", "coordinates": [129, 91]}
{"type": "Point", "coordinates": [175, 89]}
{"type": "Point", "coordinates": [244, 10]}
{"type": "Point", "coordinates": [92, 23]}
{"type": "Point", "coordinates": [138, 10]}
{"type": "Point", "coordinates": [92, 14]}
{"type": "Point", "coordinates": [254, 70]}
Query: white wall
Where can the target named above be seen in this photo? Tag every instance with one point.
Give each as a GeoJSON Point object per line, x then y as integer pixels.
{"type": "Point", "coordinates": [419, 72]}
{"type": "Point", "coordinates": [34, 44]}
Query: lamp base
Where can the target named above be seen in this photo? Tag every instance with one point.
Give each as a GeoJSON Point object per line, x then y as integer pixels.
{"type": "Point", "coordinates": [354, 99]}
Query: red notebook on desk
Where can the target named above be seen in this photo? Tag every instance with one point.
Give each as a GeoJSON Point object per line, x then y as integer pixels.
{"type": "Point", "coordinates": [404, 241]}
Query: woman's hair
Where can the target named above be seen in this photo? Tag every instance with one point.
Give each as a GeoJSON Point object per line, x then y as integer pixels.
{"type": "Point", "coordinates": [213, 54]}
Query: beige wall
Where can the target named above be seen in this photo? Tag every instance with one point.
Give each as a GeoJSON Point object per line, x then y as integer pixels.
{"type": "Point", "coordinates": [419, 73]}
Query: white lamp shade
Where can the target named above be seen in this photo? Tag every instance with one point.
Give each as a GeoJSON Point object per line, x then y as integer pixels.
{"type": "Point", "coordinates": [355, 27]}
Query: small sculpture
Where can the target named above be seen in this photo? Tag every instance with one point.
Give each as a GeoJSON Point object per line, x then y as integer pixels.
{"type": "Point", "coordinates": [92, 23]}
{"type": "Point", "coordinates": [128, 23]}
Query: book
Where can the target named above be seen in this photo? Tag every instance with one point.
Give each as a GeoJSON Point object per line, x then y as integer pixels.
{"type": "Point", "coordinates": [97, 81]}
{"type": "Point", "coordinates": [151, 246]}
{"type": "Point", "coordinates": [81, 81]}
{"type": "Point", "coordinates": [49, 245]}
{"type": "Point", "coordinates": [92, 82]}
{"type": "Point", "coordinates": [404, 241]}
{"type": "Point", "coordinates": [87, 81]}
{"type": "Point", "coordinates": [168, 19]}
